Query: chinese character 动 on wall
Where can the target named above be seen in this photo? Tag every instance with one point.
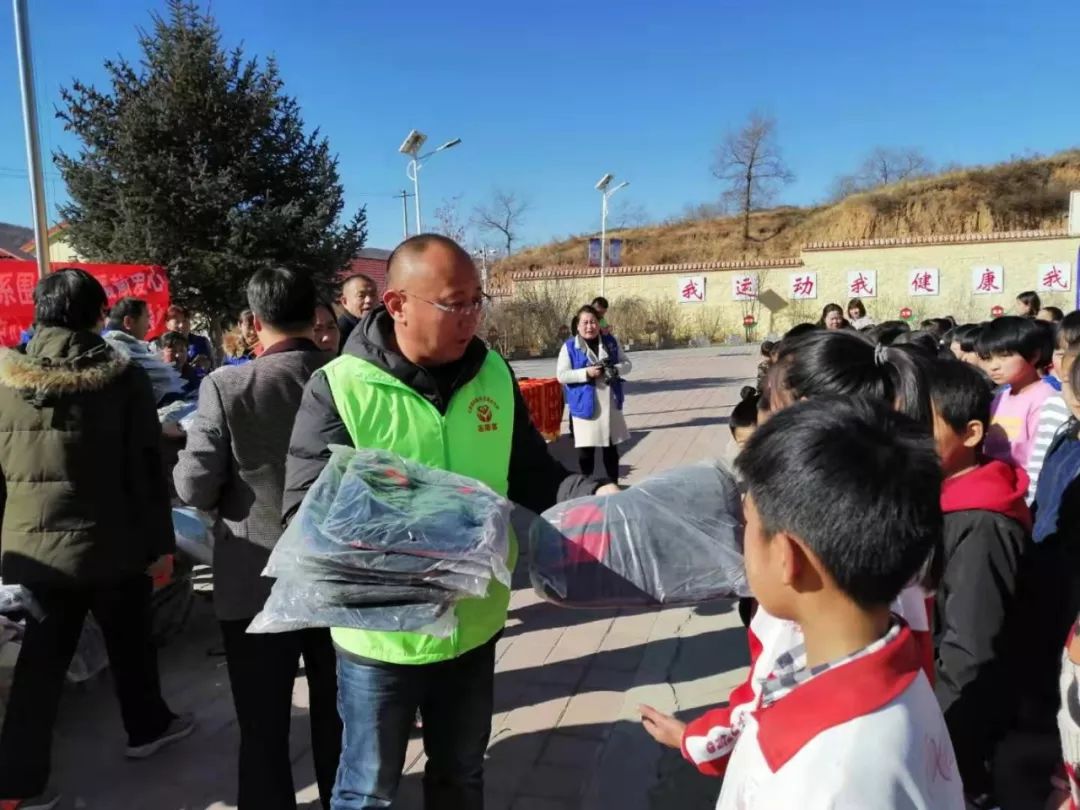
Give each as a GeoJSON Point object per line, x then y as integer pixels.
{"type": "Point", "coordinates": [804, 285]}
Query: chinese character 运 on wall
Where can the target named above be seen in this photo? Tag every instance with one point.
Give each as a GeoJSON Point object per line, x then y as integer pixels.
{"type": "Point", "coordinates": [744, 287]}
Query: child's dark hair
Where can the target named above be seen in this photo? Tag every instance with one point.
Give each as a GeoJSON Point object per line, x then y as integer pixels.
{"type": "Point", "coordinates": [767, 348]}
{"type": "Point", "coordinates": [961, 393]}
{"type": "Point", "coordinates": [1056, 315]}
{"type": "Point", "coordinates": [1030, 299]}
{"type": "Point", "coordinates": [886, 333]}
{"type": "Point", "coordinates": [745, 414]}
{"type": "Point", "coordinates": [937, 326]}
{"type": "Point", "coordinates": [966, 335]}
{"type": "Point", "coordinates": [1068, 331]}
{"type": "Point", "coordinates": [173, 339]}
{"type": "Point", "coordinates": [925, 342]}
{"type": "Point", "coordinates": [846, 364]}
{"type": "Point", "coordinates": [1015, 335]}
{"type": "Point", "coordinates": [814, 465]}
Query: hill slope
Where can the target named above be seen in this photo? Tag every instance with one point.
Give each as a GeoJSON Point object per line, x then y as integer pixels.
{"type": "Point", "coordinates": [12, 236]}
{"type": "Point", "coordinates": [1019, 195]}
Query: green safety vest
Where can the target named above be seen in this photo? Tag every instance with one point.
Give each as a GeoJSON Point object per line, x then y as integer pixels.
{"type": "Point", "coordinates": [472, 439]}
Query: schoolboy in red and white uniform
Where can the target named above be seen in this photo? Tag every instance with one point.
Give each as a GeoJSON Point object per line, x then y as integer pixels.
{"type": "Point", "coordinates": [847, 719]}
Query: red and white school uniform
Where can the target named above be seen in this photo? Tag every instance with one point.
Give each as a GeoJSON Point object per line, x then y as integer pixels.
{"type": "Point", "coordinates": [865, 733]}
{"type": "Point", "coordinates": [709, 740]}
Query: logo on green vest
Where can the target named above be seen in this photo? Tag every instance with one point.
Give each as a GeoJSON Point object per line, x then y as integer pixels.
{"type": "Point", "coordinates": [484, 409]}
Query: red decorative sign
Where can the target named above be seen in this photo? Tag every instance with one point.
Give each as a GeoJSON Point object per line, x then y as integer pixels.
{"type": "Point", "coordinates": [18, 279]}
{"type": "Point", "coordinates": [997, 311]}
{"type": "Point", "coordinates": [906, 313]}
{"type": "Point", "coordinates": [748, 320]}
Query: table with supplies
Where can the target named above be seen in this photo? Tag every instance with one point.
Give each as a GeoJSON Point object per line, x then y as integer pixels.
{"type": "Point", "coordinates": [545, 400]}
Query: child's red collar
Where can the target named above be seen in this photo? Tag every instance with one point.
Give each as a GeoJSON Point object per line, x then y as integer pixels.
{"type": "Point", "coordinates": [836, 696]}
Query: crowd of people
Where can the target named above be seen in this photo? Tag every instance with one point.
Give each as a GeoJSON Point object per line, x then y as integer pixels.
{"type": "Point", "coordinates": [910, 502]}
{"type": "Point", "coordinates": [403, 374]}
{"type": "Point", "coordinates": [989, 594]}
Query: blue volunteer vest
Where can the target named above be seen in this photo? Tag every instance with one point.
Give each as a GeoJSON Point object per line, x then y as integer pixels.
{"type": "Point", "coordinates": [581, 397]}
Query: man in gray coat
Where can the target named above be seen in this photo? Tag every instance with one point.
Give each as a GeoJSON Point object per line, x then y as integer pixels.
{"type": "Point", "coordinates": [234, 465]}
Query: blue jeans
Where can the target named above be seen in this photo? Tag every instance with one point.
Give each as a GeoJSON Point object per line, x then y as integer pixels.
{"type": "Point", "coordinates": [378, 704]}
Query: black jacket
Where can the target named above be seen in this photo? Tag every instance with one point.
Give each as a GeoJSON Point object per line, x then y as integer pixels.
{"type": "Point", "coordinates": [346, 322]}
{"type": "Point", "coordinates": [85, 498]}
{"type": "Point", "coordinates": [536, 480]}
{"type": "Point", "coordinates": [986, 541]}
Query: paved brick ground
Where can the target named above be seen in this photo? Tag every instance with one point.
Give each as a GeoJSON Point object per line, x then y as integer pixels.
{"type": "Point", "coordinates": [565, 734]}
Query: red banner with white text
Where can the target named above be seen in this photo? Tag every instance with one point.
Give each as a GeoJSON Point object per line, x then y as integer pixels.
{"type": "Point", "coordinates": [17, 281]}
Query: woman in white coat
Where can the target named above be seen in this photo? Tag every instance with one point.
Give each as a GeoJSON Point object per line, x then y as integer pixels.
{"type": "Point", "coordinates": [591, 367]}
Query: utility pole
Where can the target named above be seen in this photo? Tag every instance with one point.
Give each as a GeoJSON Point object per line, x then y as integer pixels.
{"type": "Point", "coordinates": [404, 212]}
{"type": "Point", "coordinates": [33, 145]}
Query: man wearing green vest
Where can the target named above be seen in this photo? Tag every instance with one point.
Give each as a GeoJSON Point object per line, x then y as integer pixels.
{"type": "Point", "coordinates": [415, 380]}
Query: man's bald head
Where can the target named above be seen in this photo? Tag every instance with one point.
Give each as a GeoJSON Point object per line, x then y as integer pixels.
{"type": "Point", "coordinates": [403, 262]}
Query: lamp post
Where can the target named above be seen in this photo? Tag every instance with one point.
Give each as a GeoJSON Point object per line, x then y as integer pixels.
{"type": "Point", "coordinates": [482, 254]}
{"type": "Point", "coordinates": [605, 193]}
{"type": "Point", "coordinates": [33, 145]}
{"type": "Point", "coordinates": [411, 147]}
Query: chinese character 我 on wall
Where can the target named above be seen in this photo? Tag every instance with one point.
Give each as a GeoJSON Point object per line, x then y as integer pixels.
{"type": "Point", "coordinates": [691, 290]}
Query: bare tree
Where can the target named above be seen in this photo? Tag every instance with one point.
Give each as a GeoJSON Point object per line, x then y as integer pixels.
{"type": "Point", "coordinates": [749, 163]}
{"type": "Point", "coordinates": [625, 213]}
{"type": "Point", "coordinates": [503, 216]}
{"type": "Point", "coordinates": [884, 165]}
{"type": "Point", "coordinates": [450, 221]}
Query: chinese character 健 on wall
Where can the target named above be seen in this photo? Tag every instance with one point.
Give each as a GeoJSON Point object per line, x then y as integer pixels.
{"type": "Point", "coordinates": [923, 281]}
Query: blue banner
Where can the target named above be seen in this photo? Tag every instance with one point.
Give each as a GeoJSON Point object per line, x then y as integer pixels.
{"type": "Point", "coordinates": [594, 253]}
{"type": "Point", "coordinates": [614, 254]}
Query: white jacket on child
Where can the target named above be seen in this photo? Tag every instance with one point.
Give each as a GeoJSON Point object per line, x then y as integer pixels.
{"type": "Point", "coordinates": [865, 734]}
{"type": "Point", "coordinates": [709, 739]}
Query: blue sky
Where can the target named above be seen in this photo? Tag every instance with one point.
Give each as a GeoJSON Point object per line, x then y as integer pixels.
{"type": "Point", "coordinates": [547, 96]}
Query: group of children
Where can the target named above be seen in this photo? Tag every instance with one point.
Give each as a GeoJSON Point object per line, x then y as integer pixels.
{"type": "Point", "coordinates": [910, 497]}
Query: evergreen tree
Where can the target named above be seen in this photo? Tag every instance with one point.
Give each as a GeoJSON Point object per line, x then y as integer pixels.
{"type": "Point", "coordinates": [197, 160]}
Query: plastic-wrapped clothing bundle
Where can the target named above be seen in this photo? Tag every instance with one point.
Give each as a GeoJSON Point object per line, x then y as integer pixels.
{"type": "Point", "coordinates": [16, 599]}
{"type": "Point", "coordinates": [674, 539]}
{"type": "Point", "coordinates": [384, 543]}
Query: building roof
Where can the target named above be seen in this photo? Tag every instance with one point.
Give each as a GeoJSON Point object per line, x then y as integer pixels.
{"type": "Point", "coordinates": [370, 262]}
{"type": "Point", "coordinates": [29, 247]}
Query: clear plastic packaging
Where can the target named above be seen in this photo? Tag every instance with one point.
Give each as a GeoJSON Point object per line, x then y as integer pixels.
{"type": "Point", "coordinates": [194, 534]}
{"type": "Point", "coordinates": [383, 543]}
{"type": "Point", "coordinates": [16, 599]}
{"type": "Point", "coordinates": [674, 539]}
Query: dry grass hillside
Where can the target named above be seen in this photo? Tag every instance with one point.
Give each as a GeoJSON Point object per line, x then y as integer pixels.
{"type": "Point", "coordinates": [1019, 195]}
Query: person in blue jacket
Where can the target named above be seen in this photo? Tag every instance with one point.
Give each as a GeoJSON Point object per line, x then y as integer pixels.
{"type": "Point", "coordinates": [591, 368]}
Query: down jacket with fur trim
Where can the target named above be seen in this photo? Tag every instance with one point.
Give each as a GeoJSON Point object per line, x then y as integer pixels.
{"type": "Point", "coordinates": [85, 498]}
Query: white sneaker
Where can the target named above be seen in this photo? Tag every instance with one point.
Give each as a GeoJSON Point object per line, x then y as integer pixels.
{"type": "Point", "coordinates": [181, 726]}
